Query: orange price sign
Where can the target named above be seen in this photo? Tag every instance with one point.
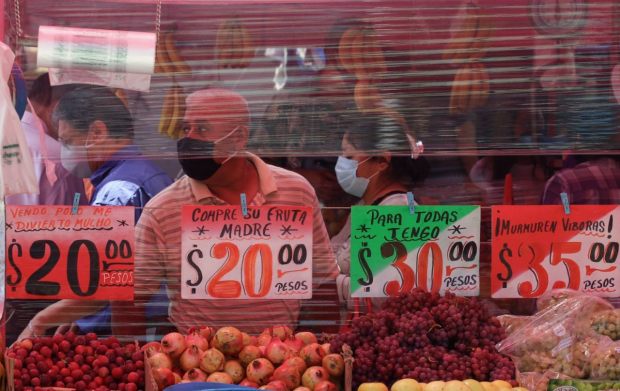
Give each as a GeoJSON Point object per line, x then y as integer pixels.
{"type": "Point", "coordinates": [54, 254]}
{"type": "Point", "coordinates": [265, 254]}
{"type": "Point", "coordinates": [540, 248]}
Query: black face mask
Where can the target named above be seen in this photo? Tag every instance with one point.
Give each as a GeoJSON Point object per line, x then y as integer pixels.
{"type": "Point", "coordinates": [196, 158]}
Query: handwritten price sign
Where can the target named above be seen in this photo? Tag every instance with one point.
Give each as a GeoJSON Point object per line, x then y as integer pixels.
{"type": "Point", "coordinates": [266, 254]}
{"type": "Point", "coordinates": [54, 254]}
{"type": "Point", "coordinates": [394, 251]}
{"type": "Point", "coordinates": [539, 248]}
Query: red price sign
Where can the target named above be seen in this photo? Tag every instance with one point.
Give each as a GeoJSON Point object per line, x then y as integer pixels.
{"type": "Point", "coordinates": [54, 254]}
{"type": "Point", "coordinates": [265, 254]}
{"type": "Point", "coordinates": [540, 248]}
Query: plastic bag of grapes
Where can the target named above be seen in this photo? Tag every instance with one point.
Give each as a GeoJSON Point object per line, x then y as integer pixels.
{"type": "Point", "coordinates": [607, 323]}
{"type": "Point", "coordinates": [558, 338]}
{"type": "Point", "coordinates": [538, 381]}
{"type": "Point", "coordinates": [512, 323]}
{"type": "Point", "coordinates": [605, 363]}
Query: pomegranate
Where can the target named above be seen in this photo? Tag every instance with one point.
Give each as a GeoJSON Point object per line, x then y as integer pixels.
{"type": "Point", "coordinates": [333, 364]}
{"type": "Point", "coordinates": [220, 377]}
{"type": "Point", "coordinates": [156, 345]}
{"type": "Point", "coordinates": [313, 376]}
{"type": "Point", "coordinates": [173, 345]}
{"type": "Point", "coordinates": [312, 354]}
{"type": "Point", "coordinates": [229, 340]}
{"type": "Point", "coordinates": [160, 360]}
{"type": "Point", "coordinates": [302, 388]}
{"type": "Point", "coordinates": [262, 349]}
{"type": "Point", "coordinates": [294, 343]}
{"type": "Point", "coordinates": [259, 371]}
{"type": "Point", "coordinates": [193, 338]}
{"type": "Point", "coordinates": [212, 360]}
{"type": "Point", "coordinates": [190, 358]}
{"type": "Point", "coordinates": [275, 386]}
{"type": "Point", "coordinates": [277, 352]}
{"type": "Point", "coordinates": [268, 331]}
{"type": "Point", "coordinates": [326, 347]}
{"type": "Point", "coordinates": [288, 375]}
{"type": "Point", "coordinates": [206, 332]}
{"type": "Point", "coordinates": [163, 377]}
{"type": "Point", "coordinates": [247, 340]}
{"type": "Point", "coordinates": [213, 344]}
{"type": "Point", "coordinates": [297, 363]}
{"type": "Point", "coordinates": [253, 341]}
{"type": "Point", "coordinates": [195, 375]}
{"type": "Point", "coordinates": [263, 340]}
{"type": "Point", "coordinates": [177, 378]}
{"type": "Point", "coordinates": [307, 337]}
{"type": "Point", "coordinates": [282, 332]}
{"type": "Point", "coordinates": [247, 383]}
{"type": "Point", "coordinates": [325, 386]}
{"type": "Point", "coordinates": [248, 354]}
{"type": "Point", "coordinates": [235, 370]}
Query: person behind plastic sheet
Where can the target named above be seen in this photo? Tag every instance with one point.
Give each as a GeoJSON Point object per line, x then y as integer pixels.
{"type": "Point", "coordinates": [369, 169]}
{"type": "Point", "coordinates": [44, 99]}
{"type": "Point", "coordinates": [96, 132]}
{"type": "Point", "coordinates": [218, 170]}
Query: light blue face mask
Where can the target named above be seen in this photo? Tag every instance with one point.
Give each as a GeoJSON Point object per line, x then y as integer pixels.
{"type": "Point", "coordinates": [346, 172]}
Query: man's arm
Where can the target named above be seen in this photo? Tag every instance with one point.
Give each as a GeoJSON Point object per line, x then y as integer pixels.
{"type": "Point", "coordinates": [61, 312]}
{"type": "Point", "coordinates": [129, 317]}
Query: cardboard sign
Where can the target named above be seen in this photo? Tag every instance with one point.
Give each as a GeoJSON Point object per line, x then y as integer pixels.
{"type": "Point", "coordinates": [54, 254]}
{"type": "Point", "coordinates": [540, 248]}
{"type": "Point", "coordinates": [394, 251]}
{"type": "Point", "coordinates": [265, 254]}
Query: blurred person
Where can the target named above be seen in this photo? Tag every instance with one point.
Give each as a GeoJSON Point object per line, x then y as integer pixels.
{"type": "Point", "coordinates": [368, 170]}
{"type": "Point", "coordinates": [96, 131]}
{"type": "Point", "coordinates": [595, 180]}
{"type": "Point", "coordinates": [218, 170]}
{"type": "Point", "coordinates": [44, 99]}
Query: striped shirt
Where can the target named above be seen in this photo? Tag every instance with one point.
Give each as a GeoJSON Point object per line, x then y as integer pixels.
{"type": "Point", "coordinates": [158, 252]}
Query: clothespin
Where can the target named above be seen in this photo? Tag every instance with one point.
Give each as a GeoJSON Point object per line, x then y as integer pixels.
{"type": "Point", "coordinates": [244, 204]}
{"type": "Point", "coordinates": [565, 203]}
{"type": "Point", "coordinates": [411, 202]}
{"type": "Point", "coordinates": [76, 203]}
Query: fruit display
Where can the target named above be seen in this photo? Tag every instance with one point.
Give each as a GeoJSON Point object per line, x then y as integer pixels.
{"type": "Point", "coordinates": [474, 36]}
{"type": "Point", "coordinates": [360, 53]}
{"type": "Point", "coordinates": [470, 88]}
{"type": "Point", "coordinates": [452, 385]}
{"type": "Point", "coordinates": [233, 45]}
{"type": "Point", "coordinates": [173, 112]}
{"type": "Point", "coordinates": [471, 85]}
{"type": "Point", "coordinates": [81, 362]}
{"type": "Point", "coordinates": [276, 360]}
{"type": "Point", "coordinates": [560, 342]}
{"type": "Point", "coordinates": [426, 337]}
{"type": "Point", "coordinates": [167, 59]}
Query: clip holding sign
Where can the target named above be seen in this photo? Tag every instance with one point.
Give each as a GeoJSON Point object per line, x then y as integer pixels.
{"type": "Point", "coordinates": [76, 203]}
{"type": "Point", "coordinates": [244, 204]}
{"type": "Point", "coordinates": [411, 203]}
{"type": "Point", "coordinates": [564, 197]}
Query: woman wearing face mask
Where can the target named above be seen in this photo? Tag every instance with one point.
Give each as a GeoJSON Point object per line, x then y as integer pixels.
{"type": "Point", "coordinates": [368, 169]}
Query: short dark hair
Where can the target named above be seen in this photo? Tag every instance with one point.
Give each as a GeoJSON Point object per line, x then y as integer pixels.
{"type": "Point", "coordinates": [43, 93]}
{"type": "Point", "coordinates": [373, 133]}
{"type": "Point", "coordinates": [83, 106]}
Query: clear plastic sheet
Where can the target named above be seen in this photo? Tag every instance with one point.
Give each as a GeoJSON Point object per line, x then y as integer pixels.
{"type": "Point", "coordinates": [491, 88]}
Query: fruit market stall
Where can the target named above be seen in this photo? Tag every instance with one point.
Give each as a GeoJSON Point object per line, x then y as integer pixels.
{"type": "Point", "coordinates": [452, 288]}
